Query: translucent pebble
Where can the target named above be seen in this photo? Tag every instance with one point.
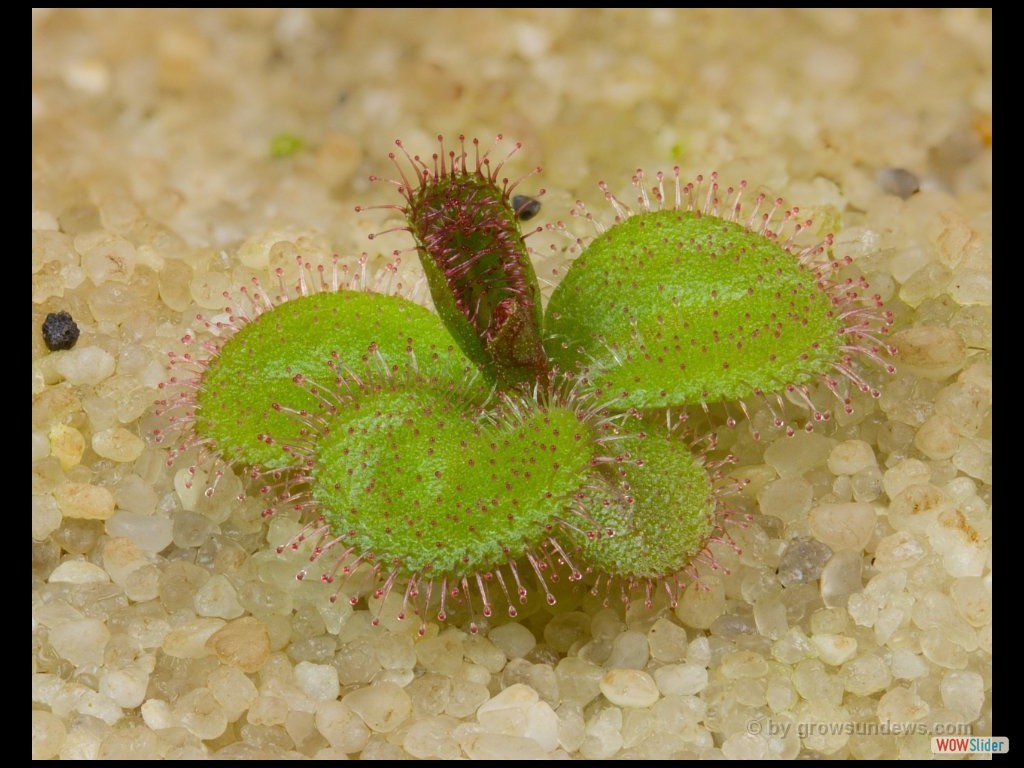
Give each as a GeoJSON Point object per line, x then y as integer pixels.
{"type": "Point", "coordinates": [746, 746]}
{"type": "Point", "coordinates": [780, 694]}
{"type": "Point", "coordinates": [901, 705]}
{"type": "Point", "coordinates": [268, 710]}
{"type": "Point", "coordinates": [974, 457]}
{"type": "Point", "coordinates": [430, 694]}
{"type": "Point", "coordinates": [905, 473]}
{"type": "Point", "coordinates": [667, 641]}
{"type": "Point", "coordinates": [542, 725]}
{"type": "Point", "coordinates": [606, 625]}
{"type": "Point", "coordinates": [243, 643]}
{"type": "Point", "coordinates": [744, 664]}
{"type": "Point", "coordinates": [866, 484]}
{"type": "Point", "coordinates": [190, 529]}
{"type": "Point", "coordinates": [834, 649]}
{"type": "Point", "coordinates": [67, 444]}
{"type": "Point", "coordinates": [926, 283]}
{"type": "Point", "coordinates": [432, 739]}
{"type": "Point", "coordinates": [938, 437]}
{"type": "Point", "coordinates": [843, 526]}
{"type": "Point", "coordinates": [930, 352]}
{"type": "Point", "coordinates": [480, 650]}
{"type": "Point", "coordinates": [962, 546]}
{"type": "Point", "coordinates": [382, 707]}
{"type": "Point", "coordinates": [802, 561]}
{"type": "Point", "coordinates": [499, 746]}
{"type": "Point", "coordinates": [150, 533]}
{"type": "Point", "coordinates": [188, 640]}
{"type": "Point", "coordinates": [48, 735]}
{"type": "Point", "coordinates": [963, 691]}
{"type": "Point", "coordinates": [629, 651]}
{"type": "Point", "coordinates": [81, 642]}
{"type": "Point", "coordinates": [84, 500]}
{"type": "Point", "coordinates": [850, 457]}
{"type": "Point", "coordinates": [465, 697]}
{"type": "Point", "coordinates": [200, 713]}
{"type": "Point", "coordinates": [698, 608]}
{"type": "Point", "coordinates": [442, 654]}
{"type": "Point", "coordinates": [318, 681]}
{"type": "Point", "coordinates": [357, 661]}
{"type": "Point", "coordinates": [840, 578]}
{"type": "Point", "coordinates": [578, 680]}
{"type": "Point", "coordinates": [970, 287]}
{"type": "Point", "coordinates": [770, 617]}
{"type": "Point", "coordinates": [826, 738]}
{"type": "Point", "coordinates": [681, 679]}
{"type": "Point", "coordinates": [217, 597]}
{"type": "Point", "coordinates": [233, 689]}
{"type": "Point", "coordinates": [78, 572]}
{"type": "Point", "coordinates": [566, 629]}
{"type": "Point", "coordinates": [866, 675]}
{"type": "Point", "coordinates": [342, 727]}
{"type": "Point", "coordinates": [603, 734]}
{"type": "Point", "coordinates": [396, 651]}
{"type": "Point", "coordinates": [208, 289]}
{"type": "Point", "coordinates": [965, 404]}
{"type": "Point", "coordinates": [907, 665]}
{"type": "Point", "coordinates": [85, 365]}
{"type": "Point", "coordinates": [125, 687]}
{"type": "Point", "coordinates": [796, 455]}
{"type": "Point", "coordinates": [506, 711]}
{"type": "Point", "coordinates": [899, 182]}
{"type": "Point", "coordinates": [118, 444]}
{"type": "Point", "coordinates": [122, 558]}
{"type": "Point", "coordinates": [513, 639]}
{"type": "Point", "coordinates": [940, 649]}
{"type": "Point", "coordinates": [814, 683]}
{"type": "Point", "coordinates": [629, 688]}
{"type": "Point", "coordinates": [972, 596]}
{"type": "Point", "coordinates": [899, 550]}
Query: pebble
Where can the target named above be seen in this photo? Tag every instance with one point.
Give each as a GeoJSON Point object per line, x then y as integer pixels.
{"type": "Point", "coordinates": [150, 533]}
{"type": "Point", "coordinates": [499, 746]}
{"type": "Point", "coordinates": [802, 561]}
{"type": "Point", "coordinates": [796, 455]}
{"type": "Point", "coordinates": [899, 182]}
{"type": "Point", "coordinates": [85, 365]}
{"type": "Point", "coordinates": [506, 711]}
{"type": "Point", "coordinates": [60, 331]}
{"type": "Point", "coordinates": [907, 665]}
{"type": "Point", "coordinates": [629, 688]}
{"type": "Point", "coordinates": [938, 437]}
{"type": "Point", "coordinates": [974, 457]}
{"type": "Point", "coordinates": [744, 664]}
{"type": "Point", "coordinates": [843, 526]}
{"type": "Point", "coordinates": [125, 687]}
{"type": "Point", "coordinates": [566, 629]}
{"type": "Point", "coordinates": [82, 642]}
{"type": "Point", "coordinates": [700, 606]}
{"type": "Point", "coordinates": [67, 444]}
{"type": "Point", "coordinates": [840, 578]}
{"type": "Point", "coordinates": [200, 714]}
{"type": "Point", "coordinates": [243, 643]}
{"type": "Point", "coordinates": [217, 597]}
{"type": "Point", "coordinates": [382, 707]}
{"type": "Point", "coordinates": [432, 739]}
{"type": "Point", "coordinates": [834, 649]}
{"type": "Point", "coordinates": [318, 681]}
{"type": "Point", "coordinates": [602, 735]}
{"type": "Point", "coordinates": [851, 457]}
{"type": "Point", "coordinates": [667, 641]}
{"type": "Point", "coordinates": [118, 444]}
{"type": "Point", "coordinates": [972, 596]}
{"type": "Point", "coordinates": [901, 705]}
{"type": "Point", "coordinates": [788, 499]}
{"type": "Point", "coordinates": [963, 691]}
{"type": "Point", "coordinates": [84, 500]}
{"type": "Point", "coordinates": [629, 651]}
{"type": "Point", "coordinates": [578, 680]}
{"type": "Point", "coordinates": [341, 726]}
{"type": "Point", "coordinates": [232, 689]}
{"type": "Point", "coordinates": [903, 474]}
{"type": "Point", "coordinates": [513, 639]}
{"type": "Point", "coordinates": [465, 697]}
{"type": "Point", "coordinates": [930, 352]}
{"type": "Point", "coordinates": [442, 654]}
{"type": "Point", "coordinates": [122, 558]}
{"type": "Point", "coordinates": [78, 572]}
{"type": "Point", "coordinates": [681, 679]}
{"type": "Point", "coordinates": [48, 735]}
{"type": "Point", "coordinates": [899, 550]}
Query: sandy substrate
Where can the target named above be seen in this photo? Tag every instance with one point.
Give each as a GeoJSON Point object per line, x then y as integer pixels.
{"type": "Point", "coordinates": [177, 154]}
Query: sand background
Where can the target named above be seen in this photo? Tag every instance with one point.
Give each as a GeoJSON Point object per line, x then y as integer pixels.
{"type": "Point", "coordinates": [178, 153]}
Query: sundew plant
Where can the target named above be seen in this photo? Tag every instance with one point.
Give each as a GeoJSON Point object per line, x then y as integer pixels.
{"type": "Point", "coordinates": [464, 460]}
